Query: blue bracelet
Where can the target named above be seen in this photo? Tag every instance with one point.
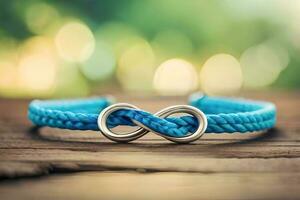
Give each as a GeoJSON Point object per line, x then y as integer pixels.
{"type": "Point", "coordinates": [206, 115]}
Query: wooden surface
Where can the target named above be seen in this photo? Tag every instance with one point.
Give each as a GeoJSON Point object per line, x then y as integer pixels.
{"type": "Point", "coordinates": [60, 164]}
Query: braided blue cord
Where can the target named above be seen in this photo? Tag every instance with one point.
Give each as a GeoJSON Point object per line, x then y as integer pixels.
{"type": "Point", "coordinates": [224, 115]}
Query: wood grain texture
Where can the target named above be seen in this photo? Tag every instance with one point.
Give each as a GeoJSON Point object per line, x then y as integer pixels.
{"type": "Point", "coordinates": [262, 165]}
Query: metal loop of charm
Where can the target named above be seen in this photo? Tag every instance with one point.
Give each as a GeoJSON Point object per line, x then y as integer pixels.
{"type": "Point", "coordinates": [124, 137]}
{"type": "Point", "coordinates": [127, 137]}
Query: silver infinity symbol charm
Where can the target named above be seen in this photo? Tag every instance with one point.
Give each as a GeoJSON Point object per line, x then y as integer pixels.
{"type": "Point", "coordinates": [127, 137]}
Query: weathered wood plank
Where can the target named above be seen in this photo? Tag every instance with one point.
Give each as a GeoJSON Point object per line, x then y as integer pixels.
{"type": "Point", "coordinates": [131, 185]}
{"type": "Point", "coordinates": [232, 166]}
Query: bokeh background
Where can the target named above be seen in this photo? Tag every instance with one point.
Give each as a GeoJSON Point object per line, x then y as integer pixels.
{"type": "Point", "coordinates": [170, 47]}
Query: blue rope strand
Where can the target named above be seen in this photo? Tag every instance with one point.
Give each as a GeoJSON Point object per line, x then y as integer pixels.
{"type": "Point", "coordinates": [224, 115]}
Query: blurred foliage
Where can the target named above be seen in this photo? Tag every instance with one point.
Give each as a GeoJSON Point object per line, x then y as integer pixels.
{"type": "Point", "coordinates": [192, 30]}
